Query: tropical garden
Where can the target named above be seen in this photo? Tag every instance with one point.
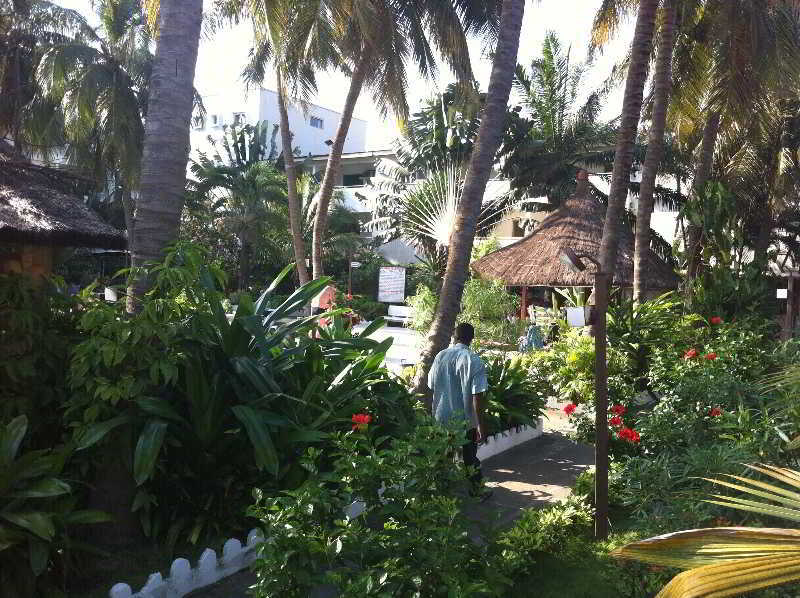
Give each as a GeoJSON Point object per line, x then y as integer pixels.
{"type": "Point", "coordinates": [211, 400]}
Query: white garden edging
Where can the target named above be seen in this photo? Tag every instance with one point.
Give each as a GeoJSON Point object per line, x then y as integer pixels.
{"type": "Point", "coordinates": [235, 557]}
{"type": "Point", "coordinates": [184, 579]}
{"type": "Point", "coordinates": [502, 441]}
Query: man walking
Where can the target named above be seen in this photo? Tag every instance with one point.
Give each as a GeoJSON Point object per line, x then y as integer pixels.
{"type": "Point", "coordinates": [458, 381]}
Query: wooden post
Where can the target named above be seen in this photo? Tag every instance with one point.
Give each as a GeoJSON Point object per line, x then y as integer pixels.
{"type": "Point", "coordinates": [524, 309]}
{"type": "Point", "coordinates": [792, 303]}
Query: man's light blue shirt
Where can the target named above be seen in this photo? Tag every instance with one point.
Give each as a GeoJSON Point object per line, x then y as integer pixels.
{"type": "Point", "coordinates": [456, 374]}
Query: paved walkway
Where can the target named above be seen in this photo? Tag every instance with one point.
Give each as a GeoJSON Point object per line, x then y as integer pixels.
{"type": "Point", "coordinates": [530, 475]}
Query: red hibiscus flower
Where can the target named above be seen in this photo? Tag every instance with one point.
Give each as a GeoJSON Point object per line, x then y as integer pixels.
{"type": "Point", "coordinates": [349, 297]}
{"type": "Point", "coordinates": [615, 421]}
{"type": "Point", "coordinates": [570, 409]}
{"type": "Point", "coordinates": [690, 354]}
{"type": "Point", "coordinates": [716, 320]}
{"type": "Point", "coordinates": [618, 410]}
{"type": "Point", "coordinates": [711, 356]}
{"type": "Point", "coordinates": [361, 420]}
{"type": "Point", "coordinates": [629, 434]}
{"type": "Point", "coordinates": [715, 412]}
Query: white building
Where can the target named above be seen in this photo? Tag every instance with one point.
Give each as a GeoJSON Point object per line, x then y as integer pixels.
{"type": "Point", "coordinates": [310, 129]}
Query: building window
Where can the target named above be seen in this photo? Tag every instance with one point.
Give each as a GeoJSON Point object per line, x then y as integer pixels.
{"type": "Point", "coordinates": [239, 118]}
{"type": "Point", "coordinates": [317, 122]}
{"type": "Point", "coordinates": [198, 122]}
{"type": "Point", "coordinates": [216, 120]}
{"type": "Point", "coordinates": [352, 180]}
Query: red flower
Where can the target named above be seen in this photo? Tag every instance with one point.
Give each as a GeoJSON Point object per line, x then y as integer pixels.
{"type": "Point", "coordinates": [629, 434]}
{"type": "Point", "coordinates": [349, 297]}
{"type": "Point", "coordinates": [711, 356]}
{"type": "Point", "coordinates": [715, 412]}
{"type": "Point", "coordinates": [716, 320]}
{"type": "Point", "coordinates": [691, 353]}
{"type": "Point", "coordinates": [361, 420]}
{"type": "Point", "coordinates": [618, 410]}
{"type": "Point", "coordinates": [570, 408]}
{"type": "Point", "coordinates": [615, 421]}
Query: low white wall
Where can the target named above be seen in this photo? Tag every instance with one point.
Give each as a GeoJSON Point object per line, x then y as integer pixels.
{"type": "Point", "coordinates": [503, 441]}
{"type": "Point", "coordinates": [235, 557]}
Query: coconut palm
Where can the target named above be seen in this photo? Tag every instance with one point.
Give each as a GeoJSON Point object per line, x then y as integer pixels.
{"type": "Point", "coordinates": [730, 561]}
{"type": "Point", "coordinates": [478, 172]}
{"type": "Point", "coordinates": [662, 86]}
{"type": "Point", "coordinates": [100, 84]}
{"type": "Point", "coordinates": [165, 150]}
{"type": "Point", "coordinates": [551, 136]}
{"type": "Point", "coordinates": [376, 38]}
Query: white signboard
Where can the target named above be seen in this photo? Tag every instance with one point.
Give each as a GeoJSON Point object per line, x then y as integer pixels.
{"type": "Point", "coordinates": [783, 294]}
{"type": "Point", "coordinates": [392, 284]}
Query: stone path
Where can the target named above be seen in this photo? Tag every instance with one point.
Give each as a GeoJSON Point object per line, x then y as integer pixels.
{"type": "Point", "coordinates": [530, 475]}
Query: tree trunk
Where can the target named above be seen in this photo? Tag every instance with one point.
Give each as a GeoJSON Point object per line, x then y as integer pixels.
{"type": "Point", "coordinates": [480, 167]}
{"type": "Point", "coordinates": [702, 173]}
{"type": "Point", "coordinates": [631, 111]}
{"type": "Point", "coordinates": [655, 148]}
{"type": "Point", "coordinates": [129, 209]}
{"type": "Point", "coordinates": [295, 222]}
{"type": "Point", "coordinates": [334, 163]}
{"type": "Point", "coordinates": [166, 140]}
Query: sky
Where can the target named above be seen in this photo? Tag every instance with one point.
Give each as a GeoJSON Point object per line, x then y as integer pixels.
{"type": "Point", "coordinates": [221, 59]}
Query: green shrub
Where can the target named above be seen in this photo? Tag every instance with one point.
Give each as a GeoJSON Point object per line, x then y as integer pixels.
{"type": "Point", "coordinates": [423, 309]}
{"type": "Point", "coordinates": [487, 305]}
{"type": "Point", "coordinates": [365, 308]}
{"type": "Point", "coordinates": [411, 539]}
{"type": "Point", "coordinates": [513, 397]}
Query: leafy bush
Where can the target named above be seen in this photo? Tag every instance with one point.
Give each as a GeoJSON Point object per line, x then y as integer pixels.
{"type": "Point", "coordinates": [366, 308]}
{"type": "Point", "coordinates": [38, 513]}
{"type": "Point", "coordinates": [513, 398]}
{"type": "Point", "coordinates": [423, 309]}
{"type": "Point", "coordinates": [489, 307]}
{"type": "Point", "coordinates": [411, 539]}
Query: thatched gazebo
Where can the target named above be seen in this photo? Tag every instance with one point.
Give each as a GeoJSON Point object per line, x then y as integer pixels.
{"type": "Point", "coordinates": [41, 209]}
{"type": "Point", "coordinates": [533, 261]}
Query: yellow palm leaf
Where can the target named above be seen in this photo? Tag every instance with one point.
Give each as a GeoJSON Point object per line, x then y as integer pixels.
{"type": "Point", "coordinates": [734, 578]}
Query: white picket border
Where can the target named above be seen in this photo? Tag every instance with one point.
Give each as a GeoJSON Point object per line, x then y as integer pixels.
{"type": "Point", "coordinates": [184, 579]}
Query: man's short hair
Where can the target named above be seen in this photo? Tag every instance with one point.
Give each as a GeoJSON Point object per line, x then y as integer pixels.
{"type": "Point", "coordinates": [465, 333]}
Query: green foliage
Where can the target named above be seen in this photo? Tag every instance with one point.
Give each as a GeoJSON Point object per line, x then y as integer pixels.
{"type": "Point", "coordinates": [364, 307]}
{"type": "Point", "coordinates": [423, 309]}
{"type": "Point", "coordinates": [411, 539]}
{"type": "Point", "coordinates": [38, 513]}
{"type": "Point", "coordinates": [491, 309]}
{"type": "Point", "coordinates": [214, 406]}
{"type": "Point", "coordinates": [513, 398]}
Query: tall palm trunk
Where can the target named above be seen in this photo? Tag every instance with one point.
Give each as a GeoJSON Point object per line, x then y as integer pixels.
{"type": "Point", "coordinates": [480, 168]}
{"type": "Point", "coordinates": [334, 163]}
{"type": "Point", "coordinates": [702, 173]}
{"type": "Point", "coordinates": [631, 111]}
{"type": "Point", "coordinates": [295, 222]}
{"type": "Point", "coordinates": [245, 258]}
{"type": "Point", "coordinates": [662, 83]}
{"type": "Point", "coordinates": [166, 139]}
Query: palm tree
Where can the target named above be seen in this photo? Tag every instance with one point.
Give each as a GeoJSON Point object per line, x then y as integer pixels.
{"type": "Point", "coordinates": [166, 142]}
{"type": "Point", "coordinates": [480, 167]}
{"type": "Point", "coordinates": [626, 136]}
{"type": "Point", "coordinates": [551, 136]}
{"type": "Point", "coordinates": [297, 38]}
{"type": "Point", "coordinates": [376, 38]}
{"type": "Point", "coordinates": [100, 84]}
{"type": "Point", "coordinates": [662, 85]}
{"type": "Point", "coordinates": [246, 190]}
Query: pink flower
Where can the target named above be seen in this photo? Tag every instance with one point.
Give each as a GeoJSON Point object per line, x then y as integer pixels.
{"type": "Point", "coordinates": [716, 320]}
{"type": "Point", "coordinates": [570, 408]}
{"type": "Point", "coordinates": [711, 356]}
{"type": "Point", "coordinates": [690, 354]}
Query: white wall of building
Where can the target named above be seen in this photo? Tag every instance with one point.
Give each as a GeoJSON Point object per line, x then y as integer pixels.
{"type": "Point", "coordinates": [310, 129]}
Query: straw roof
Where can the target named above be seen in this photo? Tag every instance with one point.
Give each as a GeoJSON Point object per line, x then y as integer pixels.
{"type": "Point", "coordinates": [577, 224]}
{"type": "Point", "coordinates": [43, 206]}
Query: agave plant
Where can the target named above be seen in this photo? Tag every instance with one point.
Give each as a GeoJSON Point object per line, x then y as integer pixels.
{"type": "Point", "coordinates": [729, 561]}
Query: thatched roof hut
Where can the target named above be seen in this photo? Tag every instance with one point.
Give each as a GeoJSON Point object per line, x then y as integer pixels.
{"type": "Point", "coordinates": [578, 224]}
{"type": "Point", "coordinates": [43, 206]}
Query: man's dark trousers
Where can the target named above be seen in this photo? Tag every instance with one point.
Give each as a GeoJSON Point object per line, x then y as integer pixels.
{"type": "Point", "coordinates": [470, 453]}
